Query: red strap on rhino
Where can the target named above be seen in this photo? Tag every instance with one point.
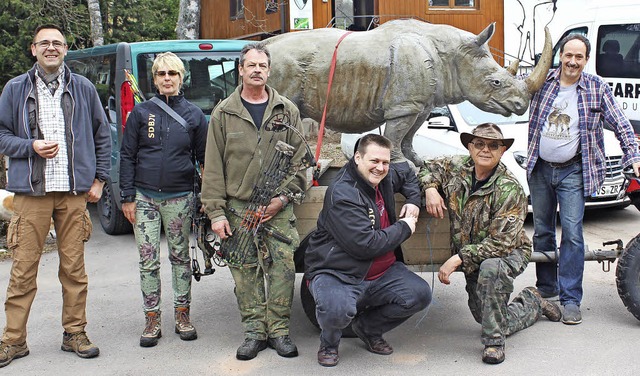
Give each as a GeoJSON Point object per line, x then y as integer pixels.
{"type": "Point", "coordinates": [316, 173]}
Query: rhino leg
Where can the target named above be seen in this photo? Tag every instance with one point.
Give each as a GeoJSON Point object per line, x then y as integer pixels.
{"type": "Point", "coordinates": [407, 141]}
{"type": "Point", "coordinates": [396, 130]}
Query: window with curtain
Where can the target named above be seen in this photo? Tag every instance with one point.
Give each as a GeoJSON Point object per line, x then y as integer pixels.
{"type": "Point", "coordinates": [454, 3]}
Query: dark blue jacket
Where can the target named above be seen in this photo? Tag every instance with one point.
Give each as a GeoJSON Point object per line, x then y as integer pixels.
{"type": "Point", "coordinates": [348, 236]}
{"type": "Point", "coordinates": [157, 152]}
{"type": "Point", "coordinates": [86, 128]}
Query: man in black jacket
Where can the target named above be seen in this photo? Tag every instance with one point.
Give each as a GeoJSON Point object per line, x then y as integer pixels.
{"type": "Point", "coordinates": [351, 261]}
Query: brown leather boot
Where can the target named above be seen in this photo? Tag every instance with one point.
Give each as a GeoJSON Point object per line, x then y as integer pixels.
{"type": "Point", "coordinates": [152, 331]}
{"type": "Point", "coordinates": [183, 324]}
{"type": "Point", "coordinates": [493, 354]}
{"type": "Point", "coordinates": [549, 309]}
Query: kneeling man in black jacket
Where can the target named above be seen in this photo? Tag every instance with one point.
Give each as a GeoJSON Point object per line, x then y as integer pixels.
{"type": "Point", "coordinates": [352, 259]}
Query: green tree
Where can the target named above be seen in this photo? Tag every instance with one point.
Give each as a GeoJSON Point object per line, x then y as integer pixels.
{"type": "Point", "coordinates": [139, 20]}
{"type": "Point", "coordinates": [122, 20]}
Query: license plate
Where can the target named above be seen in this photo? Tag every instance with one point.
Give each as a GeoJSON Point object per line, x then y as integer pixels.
{"type": "Point", "coordinates": [608, 190]}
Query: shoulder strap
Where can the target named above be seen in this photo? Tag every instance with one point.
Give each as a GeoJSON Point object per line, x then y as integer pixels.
{"type": "Point", "coordinates": [169, 111]}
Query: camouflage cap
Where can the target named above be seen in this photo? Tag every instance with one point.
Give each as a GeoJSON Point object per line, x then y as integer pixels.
{"type": "Point", "coordinates": [488, 131]}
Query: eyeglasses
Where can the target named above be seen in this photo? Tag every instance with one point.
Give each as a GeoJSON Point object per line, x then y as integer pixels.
{"type": "Point", "coordinates": [480, 145]}
{"type": "Point", "coordinates": [171, 73]}
{"type": "Point", "coordinates": [45, 44]}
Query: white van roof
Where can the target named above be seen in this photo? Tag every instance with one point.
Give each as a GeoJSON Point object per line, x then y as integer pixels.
{"type": "Point", "coordinates": [616, 11]}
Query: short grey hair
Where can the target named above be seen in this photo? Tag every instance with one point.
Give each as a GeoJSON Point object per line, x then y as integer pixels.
{"type": "Point", "coordinates": [260, 47]}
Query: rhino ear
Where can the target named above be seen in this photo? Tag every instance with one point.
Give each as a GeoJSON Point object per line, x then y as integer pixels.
{"type": "Point", "coordinates": [486, 34]}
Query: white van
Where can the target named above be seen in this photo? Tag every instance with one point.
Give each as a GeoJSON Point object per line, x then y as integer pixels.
{"type": "Point", "coordinates": [614, 33]}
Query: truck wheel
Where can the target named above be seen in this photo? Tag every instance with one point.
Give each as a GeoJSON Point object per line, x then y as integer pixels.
{"type": "Point", "coordinates": [308, 303]}
{"type": "Point", "coordinates": [111, 217]}
{"type": "Point", "coordinates": [628, 277]}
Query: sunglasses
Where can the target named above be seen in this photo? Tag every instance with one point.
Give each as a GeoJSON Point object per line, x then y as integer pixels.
{"type": "Point", "coordinates": [480, 145]}
{"type": "Point", "coordinates": [171, 73]}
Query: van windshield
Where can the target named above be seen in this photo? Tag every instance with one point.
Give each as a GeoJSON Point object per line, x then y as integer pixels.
{"type": "Point", "coordinates": [209, 78]}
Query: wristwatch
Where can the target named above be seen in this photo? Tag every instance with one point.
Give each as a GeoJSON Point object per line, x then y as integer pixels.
{"type": "Point", "coordinates": [284, 200]}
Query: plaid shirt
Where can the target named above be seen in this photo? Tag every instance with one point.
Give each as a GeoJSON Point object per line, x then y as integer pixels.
{"type": "Point", "coordinates": [595, 105]}
{"type": "Point", "coordinates": [51, 122]}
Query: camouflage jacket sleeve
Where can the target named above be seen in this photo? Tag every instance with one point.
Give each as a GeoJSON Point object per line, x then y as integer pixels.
{"type": "Point", "coordinates": [434, 173]}
{"type": "Point", "coordinates": [498, 225]}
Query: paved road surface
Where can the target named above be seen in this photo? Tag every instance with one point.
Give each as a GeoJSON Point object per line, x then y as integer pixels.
{"type": "Point", "coordinates": [443, 341]}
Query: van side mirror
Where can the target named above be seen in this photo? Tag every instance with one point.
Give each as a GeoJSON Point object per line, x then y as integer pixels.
{"type": "Point", "coordinates": [439, 122]}
{"type": "Point", "coordinates": [111, 109]}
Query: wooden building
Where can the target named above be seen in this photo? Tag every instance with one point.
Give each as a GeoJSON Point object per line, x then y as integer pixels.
{"type": "Point", "coordinates": [259, 19]}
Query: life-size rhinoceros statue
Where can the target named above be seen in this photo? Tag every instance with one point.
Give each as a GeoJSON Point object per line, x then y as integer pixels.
{"type": "Point", "coordinates": [397, 73]}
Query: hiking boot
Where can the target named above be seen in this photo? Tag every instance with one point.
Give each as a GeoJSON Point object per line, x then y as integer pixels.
{"type": "Point", "coordinates": [250, 348]}
{"type": "Point", "coordinates": [493, 354]}
{"type": "Point", "coordinates": [376, 345]}
{"type": "Point", "coordinates": [328, 356]}
{"type": "Point", "coordinates": [549, 309]}
{"type": "Point", "coordinates": [571, 315]}
{"type": "Point", "coordinates": [183, 324]}
{"type": "Point", "coordinates": [79, 343]}
{"type": "Point", "coordinates": [10, 352]}
{"type": "Point", "coordinates": [152, 330]}
{"type": "Point", "coordinates": [284, 346]}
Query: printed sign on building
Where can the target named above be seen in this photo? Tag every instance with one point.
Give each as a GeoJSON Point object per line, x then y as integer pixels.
{"type": "Point", "coordinates": [301, 14]}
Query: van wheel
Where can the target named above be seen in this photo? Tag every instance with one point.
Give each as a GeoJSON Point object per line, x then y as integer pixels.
{"type": "Point", "coordinates": [308, 303]}
{"type": "Point", "coordinates": [628, 277]}
{"type": "Point", "coordinates": [111, 217]}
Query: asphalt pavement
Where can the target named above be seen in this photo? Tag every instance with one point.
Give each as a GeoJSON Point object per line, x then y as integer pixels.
{"type": "Point", "coordinates": [445, 340]}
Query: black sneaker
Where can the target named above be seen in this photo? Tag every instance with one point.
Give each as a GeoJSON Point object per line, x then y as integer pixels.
{"type": "Point", "coordinates": [284, 346]}
{"type": "Point", "coordinates": [250, 348]}
{"type": "Point", "coordinates": [571, 315]}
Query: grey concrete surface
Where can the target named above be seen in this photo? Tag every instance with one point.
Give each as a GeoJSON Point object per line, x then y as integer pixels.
{"type": "Point", "coordinates": [443, 341]}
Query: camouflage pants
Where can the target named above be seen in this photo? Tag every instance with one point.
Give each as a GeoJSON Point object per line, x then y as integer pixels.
{"type": "Point", "coordinates": [489, 289]}
{"type": "Point", "coordinates": [264, 289]}
{"type": "Point", "coordinates": [175, 214]}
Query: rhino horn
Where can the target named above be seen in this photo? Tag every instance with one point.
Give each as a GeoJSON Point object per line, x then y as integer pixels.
{"type": "Point", "coordinates": [513, 67]}
{"type": "Point", "coordinates": [536, 78]}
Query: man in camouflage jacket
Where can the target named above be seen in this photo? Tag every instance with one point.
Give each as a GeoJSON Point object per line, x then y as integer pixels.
{"type": "Point", "coordinates": [487, 208]}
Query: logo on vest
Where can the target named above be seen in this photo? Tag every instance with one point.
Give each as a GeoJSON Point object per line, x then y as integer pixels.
{"type": "Point", "coordinates": [151, 126]}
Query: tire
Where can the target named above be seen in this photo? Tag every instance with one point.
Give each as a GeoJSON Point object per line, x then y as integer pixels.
{"type": "Point", "coordinates": [112, 219]}
{"type": "Point", "coordinates": [308, 303]}
{"type": "Point", "coordinates": [628, 277]}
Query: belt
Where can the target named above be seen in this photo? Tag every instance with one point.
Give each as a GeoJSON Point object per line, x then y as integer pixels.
{"type": "Point", "coordinates": [576, 158]}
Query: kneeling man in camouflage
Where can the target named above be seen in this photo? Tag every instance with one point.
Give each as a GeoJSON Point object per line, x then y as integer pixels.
{"type": "Point", "coordinates": [487, 208]}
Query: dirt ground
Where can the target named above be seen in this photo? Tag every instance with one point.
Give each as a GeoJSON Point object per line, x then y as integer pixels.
{"type": "Point", "coordinates": [330, 148]}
